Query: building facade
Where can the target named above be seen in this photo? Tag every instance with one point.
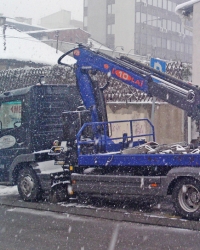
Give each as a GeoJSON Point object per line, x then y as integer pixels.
{"type": "Point", "coordinates": [144, 27]}
{"type": "Point", "coordinates": [60, 19]}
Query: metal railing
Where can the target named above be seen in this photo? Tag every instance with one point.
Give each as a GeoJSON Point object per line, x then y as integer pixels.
{"type": "Point", "coordinates": [103, 136]}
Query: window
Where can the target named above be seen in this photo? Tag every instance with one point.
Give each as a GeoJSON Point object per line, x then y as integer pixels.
{"type": "Point", "coordinates": [182, 47]}
{"type": "Point", "coordinates": [190, 48]}
{"type": "Point", "coordinates": [174, 26]}
{"type": "Point", "coordinates": [85, 21]}
{"type": "Point", "coordinates": [143, 38]}
{"type": "Point", "coordinates": [111, 9]}
{"type": "Point", "coordinates": [86, 3]}
{"type": "Point", "coordinates": [182, 29]}
{"type": "Point", "coordinates": [149, 19]}
{"type": "Point", "coordinates": [137, 17]}
{"type": "Point", "coordinates": [158, 41]}
{"type": "Point", "coordinates": [169, 24]}
{"type": "Point", "coordinates": [173, 46]}
{"type": "Point", "coordinates": [154, 21]}
{"type": "Point", "coordinates": [160, 3]}
{"type": "Point", "coordinates": [155, 3]}
{"type": "Point", "coordinates": [164, 43]}
{"type": "Point", "coordinates": [153, 42]}
{"type": "Point", "coordinates": [165, 4]}
{"type": "Point", "coordinates": [169, 5]}
{"type": "Point", "coordinates": [149, 40]}
{"type": "Point", "coordinates": [187, 32]}
{"type": "Point", "coordinates": [178, 27]}
{"type": "Point", "coordinates": [168, 44]}
{"type": "Point", "coordinates": [173, 6]}
{"type": "Point", "coordinates": [143, 18]}
{"type": "Point", "coordinates": [111, 29]}
{"type": "Point", "coordinates": [164, 23]}
{"type": "Point", "coordinates": [10, 114]}
{"type": "Point", "coordinates": [177, 46]}
{"type": "Point", "coordinates": [159, 23]}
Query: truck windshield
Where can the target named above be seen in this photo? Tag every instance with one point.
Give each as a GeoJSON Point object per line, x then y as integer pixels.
{"type": "Point", "coordinates": [10, 114]}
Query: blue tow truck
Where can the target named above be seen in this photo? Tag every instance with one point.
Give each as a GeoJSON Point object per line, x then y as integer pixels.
{"type": "Point", "coordinates": [95, 161]}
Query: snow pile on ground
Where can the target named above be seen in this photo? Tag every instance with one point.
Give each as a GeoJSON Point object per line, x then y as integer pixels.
{"type": "Point", "coordinates": [7, 190]}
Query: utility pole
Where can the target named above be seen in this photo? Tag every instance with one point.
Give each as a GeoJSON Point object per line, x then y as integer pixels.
{"type": "Point", "coordinates": [57, 36]}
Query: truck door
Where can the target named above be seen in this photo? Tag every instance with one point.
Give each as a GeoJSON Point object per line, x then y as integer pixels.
{"type": "Point", "coordinates": [12, 134]}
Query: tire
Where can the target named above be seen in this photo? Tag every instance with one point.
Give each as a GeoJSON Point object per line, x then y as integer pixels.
{"type": "Point", "coordinates": [59, 194]}
{"type": "Point", "coordinates": [186, 198]}
{"type": "Point", "coordinates": [28, 185]}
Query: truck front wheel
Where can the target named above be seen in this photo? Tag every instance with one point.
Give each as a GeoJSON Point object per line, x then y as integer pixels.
{"type": "Point", "coordinates": [28, 185]}
{"type": "Point", "coordinates": [58, 194]}
{"type": "Point", "coordinates": [186, 198]}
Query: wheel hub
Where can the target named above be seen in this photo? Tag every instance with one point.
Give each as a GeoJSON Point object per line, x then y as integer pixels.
{"type": "Point", "coordinates": [194, 197]}
{"type": "Point", "coordinates": [189, 198]}
{"type": "Point", "coordinates": [27, 185]}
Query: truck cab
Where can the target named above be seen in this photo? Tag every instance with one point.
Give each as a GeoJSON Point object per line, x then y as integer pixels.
{"type": "Point", "coordinates": [30, 120]}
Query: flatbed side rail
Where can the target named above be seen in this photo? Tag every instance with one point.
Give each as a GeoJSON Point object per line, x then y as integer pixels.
{"type": "Point", "coordinates": [104, 136]}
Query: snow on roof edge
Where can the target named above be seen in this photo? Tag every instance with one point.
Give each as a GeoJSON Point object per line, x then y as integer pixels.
{"type": "Point", "coordinates": [57, 29]}
{"type": "Point", "coordinates": [12, 20]}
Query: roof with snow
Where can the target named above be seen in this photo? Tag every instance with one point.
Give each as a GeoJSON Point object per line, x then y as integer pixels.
{"type": "Point", "coordinates": [12, 21]}
{"type": "Point", "coordinates": [185, 9]}
{"type": "Point", "coordinates": [97, 45]}
{"type": "Point", "coordinates": [22, 47]}
{"type": "Point", "coordinates": [52, 30]}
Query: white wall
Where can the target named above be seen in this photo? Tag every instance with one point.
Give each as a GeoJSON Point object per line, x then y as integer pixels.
{"type": "Point", "coordinates": [124, 16]}
{"type": "Point", "coordinates": [196, 45]}
{"type": "Point", "coordinates": [59, 19]}
{"type": "Point", "coordinates": [98, 18]}
{"type": "Point", "coordinates": [168, 120]}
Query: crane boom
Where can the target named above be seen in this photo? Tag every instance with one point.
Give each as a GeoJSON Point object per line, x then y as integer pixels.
{"type": "Point", "coordinates": [131, 72]}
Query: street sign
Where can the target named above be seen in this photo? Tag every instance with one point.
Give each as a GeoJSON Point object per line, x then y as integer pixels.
{"type": "Point", "coordinates": [161, 66]}
{"type": "Point", "coordinates": [158, 64]}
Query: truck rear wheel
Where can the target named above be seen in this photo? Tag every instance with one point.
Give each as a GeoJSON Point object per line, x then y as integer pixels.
{"type": "Point", "coordinates": [28, 185]}
{"type": "Point", "coordinates": [186, 198]}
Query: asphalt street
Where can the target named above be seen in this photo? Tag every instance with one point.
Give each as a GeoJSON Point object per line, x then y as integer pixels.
{"type": "Point", "coordinates": [161, 214]}
{"type": "Point", "coordinates": [30, 229]}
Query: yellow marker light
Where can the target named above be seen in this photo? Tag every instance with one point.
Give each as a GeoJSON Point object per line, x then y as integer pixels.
{"type": "Point", "coordinates": [71, 168]}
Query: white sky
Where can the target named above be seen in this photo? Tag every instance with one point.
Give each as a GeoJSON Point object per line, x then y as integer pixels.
{"type": "Point", "coordinates": [39, 8]}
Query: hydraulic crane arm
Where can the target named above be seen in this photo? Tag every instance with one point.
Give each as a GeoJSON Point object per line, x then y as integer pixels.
{"type": "Point", "coordinates": [135, 74]}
